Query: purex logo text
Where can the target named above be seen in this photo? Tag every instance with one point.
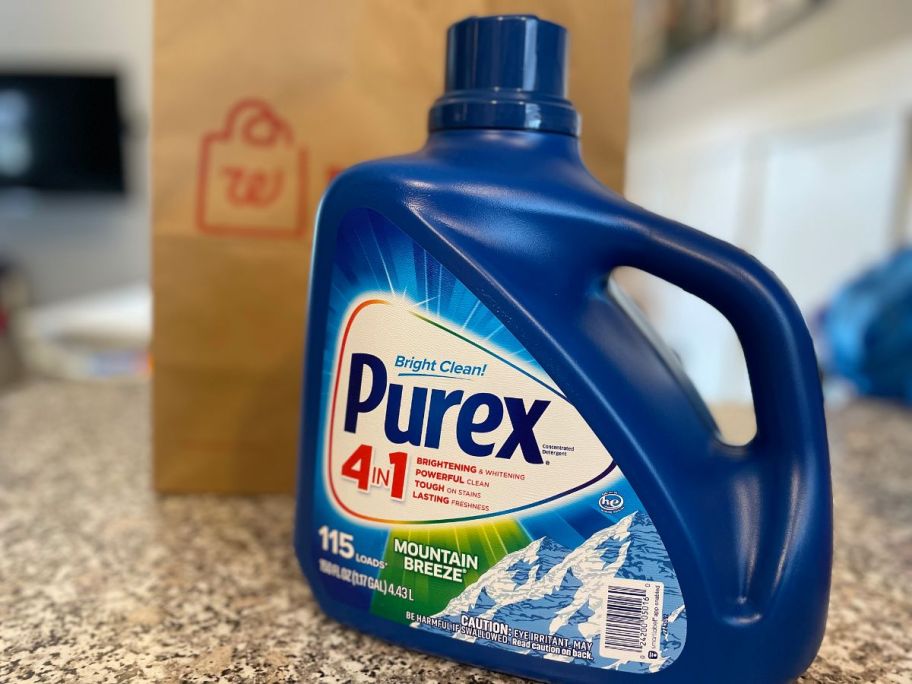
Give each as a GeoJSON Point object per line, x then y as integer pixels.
{"type": "Point", "coordinates": [434, 404]}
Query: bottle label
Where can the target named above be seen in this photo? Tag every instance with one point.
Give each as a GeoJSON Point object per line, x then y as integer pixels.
{"type": "Point", "coordinates": [459, 491]}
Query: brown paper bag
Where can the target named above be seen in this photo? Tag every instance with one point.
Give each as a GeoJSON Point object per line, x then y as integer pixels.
{"type": "Point", "coordinates": [257, 104]}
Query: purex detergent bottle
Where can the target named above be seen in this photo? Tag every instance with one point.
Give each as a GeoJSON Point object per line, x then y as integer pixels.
{"type": "Point", "coordinates": [498, 463]}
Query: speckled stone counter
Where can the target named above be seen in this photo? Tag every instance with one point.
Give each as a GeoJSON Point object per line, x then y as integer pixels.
{"type": "Point", "coordinates": [101, 580]}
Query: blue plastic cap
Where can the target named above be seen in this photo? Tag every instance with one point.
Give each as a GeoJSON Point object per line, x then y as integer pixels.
{"type": "Point", "coordinates": [506, 71]}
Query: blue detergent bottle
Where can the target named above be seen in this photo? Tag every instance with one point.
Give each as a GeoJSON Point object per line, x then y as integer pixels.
{"type": "Point", "coordinates": [499, 465]}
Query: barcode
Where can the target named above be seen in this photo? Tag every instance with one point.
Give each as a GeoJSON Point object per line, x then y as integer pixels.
{"type": "Point", "coordinates": [632, 627]}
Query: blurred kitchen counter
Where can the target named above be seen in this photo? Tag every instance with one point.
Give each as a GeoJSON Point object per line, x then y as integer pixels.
{"type": "Point", "coordinates": [102, 580]}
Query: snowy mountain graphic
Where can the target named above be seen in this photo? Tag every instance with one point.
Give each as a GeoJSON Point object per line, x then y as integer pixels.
{"type": "Point", "coordinates": [550, 589]}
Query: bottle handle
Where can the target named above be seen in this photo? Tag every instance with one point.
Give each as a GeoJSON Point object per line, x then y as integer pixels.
{"type": "Point", "coordinates": [780, 358]}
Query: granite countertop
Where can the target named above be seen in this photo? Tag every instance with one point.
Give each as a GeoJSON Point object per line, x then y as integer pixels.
{"type": "Point", "coordinates": [102, 580]}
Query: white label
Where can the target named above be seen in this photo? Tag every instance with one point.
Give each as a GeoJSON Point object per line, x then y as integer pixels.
{"type": "Point", "coordinates": [430, 424]}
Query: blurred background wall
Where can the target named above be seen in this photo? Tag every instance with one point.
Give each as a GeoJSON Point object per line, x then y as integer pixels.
{"type": "Point", "coordinates": [784, 130]}
{"type": "Point", "coordinates": [69, 243]}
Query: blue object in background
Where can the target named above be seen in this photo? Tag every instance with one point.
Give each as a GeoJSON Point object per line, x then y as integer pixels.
{"type": "Point", "coordinates": [867, 330]}
{"type": "Point", "coordinates": [499, 201]}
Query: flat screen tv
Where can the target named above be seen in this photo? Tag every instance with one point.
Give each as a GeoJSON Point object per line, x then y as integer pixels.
{"type": "Point", "coordinates": [60, 132]}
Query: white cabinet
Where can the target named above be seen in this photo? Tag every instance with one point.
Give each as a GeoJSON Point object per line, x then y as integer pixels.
{"type": "Point", "coordinates": [703, 190]}
{"type": "Point", "coordinates": [816, 203]}
{"type": "Point", "coordinates": [829, 203]}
